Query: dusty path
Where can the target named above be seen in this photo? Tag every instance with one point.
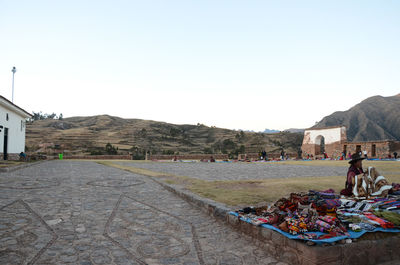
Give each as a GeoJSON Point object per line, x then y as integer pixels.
{"type": "Point", "coordinates": [64, 212]}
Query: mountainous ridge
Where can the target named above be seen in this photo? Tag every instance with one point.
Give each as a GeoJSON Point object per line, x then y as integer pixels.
{"type": "Point", "coordinates": [375, 118]}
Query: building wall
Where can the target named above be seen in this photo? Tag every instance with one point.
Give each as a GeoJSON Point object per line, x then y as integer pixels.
{"type": "Point", "coordinates": [382, 148]}
{"type": "Point", "coordinates": [331, 135]}
{"type": "Point", "coordinates": [336, 143]}
{"type": "Point", "coordinates": [16, 133]}
{"type": "Point", "coordinates": [395, 147]}
{"type": "Point", "coordinates": [334, 137]}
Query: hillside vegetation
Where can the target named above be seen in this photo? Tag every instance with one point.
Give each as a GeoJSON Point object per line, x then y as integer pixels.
{"type": "Point", "coordinates": [90, 135]}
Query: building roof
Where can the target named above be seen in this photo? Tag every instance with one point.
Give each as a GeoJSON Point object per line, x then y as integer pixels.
{"type": "Point", "coordinates": [11, 106]}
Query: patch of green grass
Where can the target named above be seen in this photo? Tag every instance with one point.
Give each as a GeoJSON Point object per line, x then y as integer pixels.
{"type": "Point", "coordinates": [170, 181]}
{"type": "Point", "coordinates": [252, 192]}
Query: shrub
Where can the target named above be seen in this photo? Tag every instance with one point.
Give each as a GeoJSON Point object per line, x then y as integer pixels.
{"type": "Point", "coordinates": [110, 149]}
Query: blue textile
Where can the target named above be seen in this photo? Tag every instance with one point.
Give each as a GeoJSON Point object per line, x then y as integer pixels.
{"type": "Point", "coordinates": [320, 241]}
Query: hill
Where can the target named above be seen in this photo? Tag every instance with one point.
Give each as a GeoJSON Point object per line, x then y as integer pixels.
{"type": "Point", "coordinates": [375, 118]}
{"type": "Point", "coordinates": [83, 135]}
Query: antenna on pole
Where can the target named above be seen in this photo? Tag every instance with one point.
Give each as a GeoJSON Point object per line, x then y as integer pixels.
{"type": "Point", "coordinates": [13, 70]}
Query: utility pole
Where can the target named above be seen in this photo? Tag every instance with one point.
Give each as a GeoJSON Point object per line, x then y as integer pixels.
{"type": "Point", "coordinates": [13, 70]}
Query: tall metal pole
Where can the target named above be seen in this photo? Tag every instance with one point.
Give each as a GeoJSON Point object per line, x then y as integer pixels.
{"type": "Point", "coordinates": [13, 71]}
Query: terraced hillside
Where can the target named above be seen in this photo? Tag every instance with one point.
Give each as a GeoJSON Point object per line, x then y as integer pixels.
{"type": "Point", "coordinates": [82, 135]}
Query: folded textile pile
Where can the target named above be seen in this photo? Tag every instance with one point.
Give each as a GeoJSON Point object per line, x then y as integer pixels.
{"type": "Point", "coordinates": [320, 215]}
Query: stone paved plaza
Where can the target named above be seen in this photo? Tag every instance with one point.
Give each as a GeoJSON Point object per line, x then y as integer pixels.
{"type": "Point", "coordinates": [64, 212]}
{"type": "Point", "coordinates": [239, 171]}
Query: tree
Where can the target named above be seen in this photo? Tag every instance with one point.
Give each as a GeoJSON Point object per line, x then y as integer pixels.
{"type": "Point", "coordinates": [228, 145]}
{"type": "Point", "coordinates": [174, 132]}
{"type": "Point", "coordinates": [44, 116]}
{"type": "Point", "coordinates": [110, 149]}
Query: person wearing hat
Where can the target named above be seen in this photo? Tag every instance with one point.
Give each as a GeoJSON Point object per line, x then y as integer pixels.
{"type": "Point", "coordinates": [354, 170]}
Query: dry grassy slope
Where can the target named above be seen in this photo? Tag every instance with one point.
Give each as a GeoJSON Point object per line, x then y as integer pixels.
{"type": "Point", "coordinates": [87, 133]}
{"type": "Point", "coordinates": [376, 118]}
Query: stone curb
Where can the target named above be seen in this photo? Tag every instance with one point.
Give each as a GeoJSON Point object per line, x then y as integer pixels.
{"type": "Point", "coordinates": [13, 168]}
{"type": "Point", "coordinates": [374, 251]}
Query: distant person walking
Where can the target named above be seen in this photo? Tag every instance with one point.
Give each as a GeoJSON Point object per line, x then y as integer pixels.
{"type": "Point", "coordinates": [22, 156]}
{"type": "Point", "coordinates": [299, 154]}
{"type": "Point", "coordinates": [264, 155]}
{"type": "Point", "coordinates": [365, 154]}
{"type": "Point", "coordinates": [282, 155]}
{"type": "Point", "coordinates": [395, 155]}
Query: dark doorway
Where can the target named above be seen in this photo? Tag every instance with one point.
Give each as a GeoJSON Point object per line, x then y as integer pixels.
{"type": "Point", "coordinates": [5, 145]}
{"type": "Point", "coordinates": [322, 145]}
{"type": "Point", "coordinates": [319, 145]}
{"type": "Point", "coordinates": [358, 148]}
{"type": "Point", "coordinates": [373, 150]}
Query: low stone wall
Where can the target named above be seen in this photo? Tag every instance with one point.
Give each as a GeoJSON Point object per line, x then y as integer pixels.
{"type": "Point", "coordinates": [271, 156]}
{"type": "Point", "coordinates": [19, 166]}
{"type": "Point", "coordinates": [13, 157]}
{"type": "Point", "coordinates": [378, 248]}
{"type": "Point", "coordinates": [100, 157]}
{"type": "Point", "coordinates": [188, 157]}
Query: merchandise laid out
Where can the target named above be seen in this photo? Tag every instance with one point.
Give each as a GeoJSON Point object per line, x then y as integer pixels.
{"type": "Point", "coordinates": [325, 217]}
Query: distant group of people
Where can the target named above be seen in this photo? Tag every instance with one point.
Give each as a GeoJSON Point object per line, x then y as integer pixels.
{"type": "Point", "coordinates": [310, 157]}
{"type": "Point", "coordinates": [394, 155]}
{"type": "Point", "coordinates": [364, 154]}
{"type": "Point", "coordinates": [283, 156]}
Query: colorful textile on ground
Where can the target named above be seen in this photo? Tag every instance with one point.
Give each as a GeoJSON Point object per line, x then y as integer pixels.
{"type": "Point", "coordinates": [323, 217]}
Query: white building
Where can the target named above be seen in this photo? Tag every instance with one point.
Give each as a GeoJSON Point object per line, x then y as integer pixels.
{"type": "Point", "coordinates": [12, 129]}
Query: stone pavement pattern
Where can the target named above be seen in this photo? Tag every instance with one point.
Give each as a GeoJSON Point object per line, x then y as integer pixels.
{"type": "Point", "coordinates": [238, 171]}
{"type": "Point", "coordinates": [64, 212]}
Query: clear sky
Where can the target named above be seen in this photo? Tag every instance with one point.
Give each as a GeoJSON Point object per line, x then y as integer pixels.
{"type": "Point", "coordinates": [234, 64]}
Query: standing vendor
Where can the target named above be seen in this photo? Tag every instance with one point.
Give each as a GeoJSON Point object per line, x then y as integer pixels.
{"type": "Point", "coordinates": [354, 170]}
